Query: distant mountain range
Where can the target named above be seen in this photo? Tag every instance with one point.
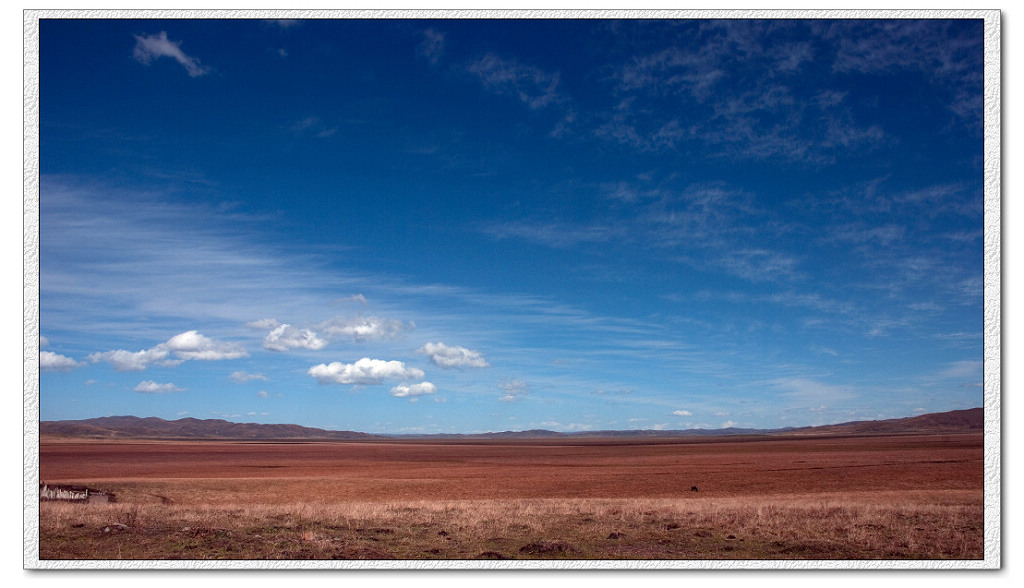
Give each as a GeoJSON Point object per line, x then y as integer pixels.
{"type": "Point", "coordinates": [131, 427]}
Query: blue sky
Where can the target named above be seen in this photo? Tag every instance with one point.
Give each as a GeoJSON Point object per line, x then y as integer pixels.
{"type": "Point", "coordinates": [406, 226]}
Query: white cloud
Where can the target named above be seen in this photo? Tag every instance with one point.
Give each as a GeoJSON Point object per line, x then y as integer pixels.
{"type": "Point", "coordinates": [452, 356]}
{"type": "Point", "coordinates": [432, 46]}
{"type": "Point", "coordinates": [363, 372]}
{"type": "Point", "coordinates": [128, 361]}
{"type": "Point", "coordinates": [404, 391]}
{"type": "Point", "coordinates": [151, 387]}
{"type": "Point", "coordinates": [362, 329]}
{"type": "Point", "coordinates": [43, 341]}
{"type": "Point", "coordinates": [193, 345]}
{"type": "Point", "coordinates": [263, 394]}
{"type": "Point", "coordinates": [513, 390]}
{"type": "Point", "coordinates": [533, 86]}
{"type": "Point", "coordinates": [242, 377]}
{"type": "Point", "coordinates": [53, 362]}
{"type": "Point", "coordinates": [265, 323]}
{"type": "Point", "coordinates": [758, 265]}
{"type": "Point", "coordinates": [150, 47]}
{"type": "Point", "coordinates": [185, 346]}
{"type": "Point", "coordinates": [286, 337]}
{"type": "Point", "coordinates": [682, 413]}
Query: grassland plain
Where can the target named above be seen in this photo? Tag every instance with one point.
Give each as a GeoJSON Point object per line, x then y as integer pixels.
{"type": "Point", "coordinates": [829, 498]}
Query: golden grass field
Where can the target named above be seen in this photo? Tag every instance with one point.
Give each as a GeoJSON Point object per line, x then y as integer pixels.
{"type": "Point", "coordinates": [828, 498]}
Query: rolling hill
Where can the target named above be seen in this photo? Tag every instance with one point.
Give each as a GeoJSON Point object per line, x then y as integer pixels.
{"type": "Point", "coordinates": [132, 427]}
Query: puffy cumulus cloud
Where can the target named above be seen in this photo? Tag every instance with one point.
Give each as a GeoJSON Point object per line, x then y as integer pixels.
{"type": "Point", "coordinates": [129, 361]}
{"type": "Point", "coordinates": [151, 387]}
{"type": "Point", "coordinates": [190, 345]}
{"type": "Point", "coordinates": [43, 342]}
{"type": "Point", "coordinates": [286, 337]}
{"type": "Point", "coordinates": [54, 362]}
{"type": "Point", "coordinates": [242, 377]}
{"type": "Point", "coordinates": [452, 356]}
{"type": "Point", "coordinates": [682, 413]}
{"type": "Point", "coordinates": [404, 391]}
{"type": "Point", "coordinates": [361, 329]}
{"type": "Point", "coordinates": [513, 390]}
{"type": "Point", "coordinates": [151, 47]}
{"type": "Point", "coordinates": [366, 371]}
{"type": "Point", "coordinates": [193, 345]}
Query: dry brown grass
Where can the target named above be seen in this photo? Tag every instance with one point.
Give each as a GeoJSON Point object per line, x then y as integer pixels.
{"type": "Point", "coordinates": [795, 527]}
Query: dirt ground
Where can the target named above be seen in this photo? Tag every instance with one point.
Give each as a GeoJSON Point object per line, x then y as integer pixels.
{"type": "Point", "coordinates": [541, 469]}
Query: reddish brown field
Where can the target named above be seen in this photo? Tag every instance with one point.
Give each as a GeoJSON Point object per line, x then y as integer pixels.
{"type": "Point", "coordinates": [911, 474]}
{"type": "Point", "coordinates": [542, 469]}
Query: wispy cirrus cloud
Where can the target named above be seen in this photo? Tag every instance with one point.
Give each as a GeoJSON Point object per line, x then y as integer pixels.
{"type": "Point", "coordinates": [758, 265]}
{"type": "Point", "coordinates": [740, 82]}
{"type": "Point", "coordinates": [802, 390]}
{"type": "Point", "coordinates": [241, 377]}
{"type": "Point", "coordinates": [513, 390]}
{"type": "Point", "coordinates": [312, 126]}
{"type": "Point", "coordinates": [151, 47]}
{"type": "Point", "coordinates": [531, 85]}
{"type": "Point", "coordinates": [170, 261]}
{"type": "Point", "coordinates": [553, 234]}
{"type": "Point", "coordinates": [708, 226]}
{"type": "Point", "coordinates": [431, 47]}
{"type": "Point", "coordinates": [873, 46]}
{"type": "Point", "coordinates": [965, 369]}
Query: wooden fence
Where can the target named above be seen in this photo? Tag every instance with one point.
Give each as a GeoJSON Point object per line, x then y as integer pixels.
{"type": "Point", "coordinates": [74, 493]}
